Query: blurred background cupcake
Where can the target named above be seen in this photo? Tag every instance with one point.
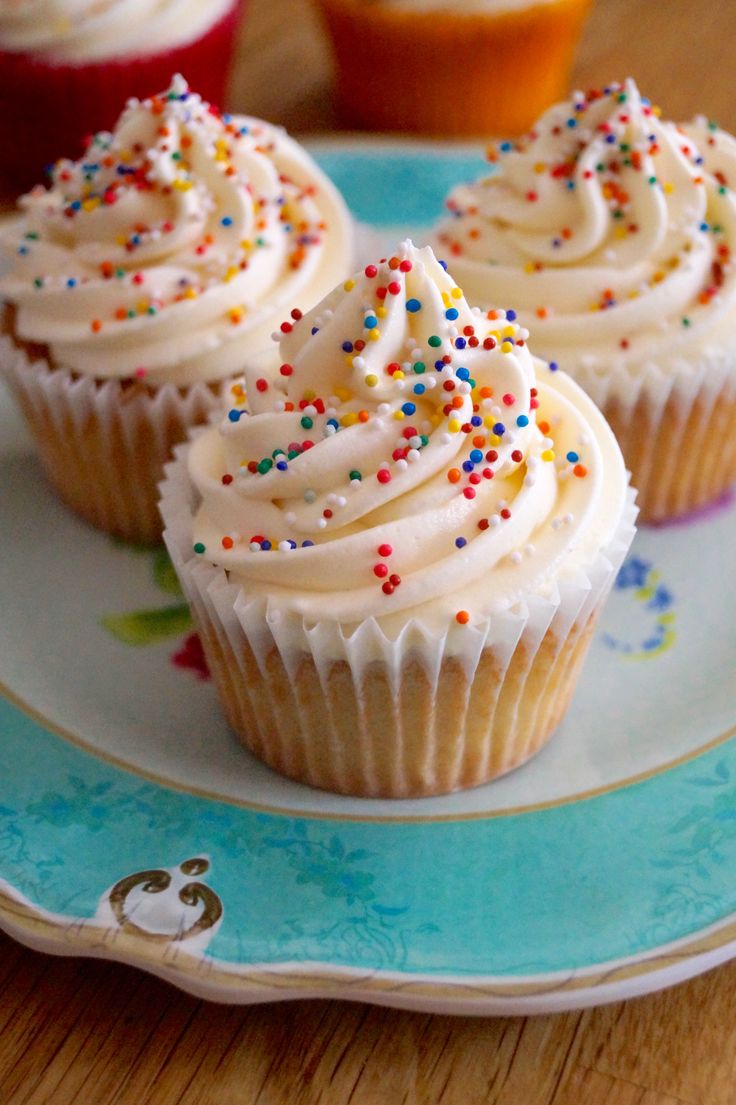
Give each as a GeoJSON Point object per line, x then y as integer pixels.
{"type": "Point", "coordinates": [67, 66]}
{"type": "Point", "coordinates": [451, 67]}
{"type": "Point", "coordinates": [141, 280]}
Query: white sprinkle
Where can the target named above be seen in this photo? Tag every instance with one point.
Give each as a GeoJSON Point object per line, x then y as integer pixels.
{"type": "Point", "coordinates": [290, 518]}
{"type": "Point", "coordinates": [529, 550]}
{"type": "Point", "coordinates": [383, 408]}
{"type": "Point", "coordinates": [332, 498]}
{"type": "Point", "coordinates": [340, 501]}
{"type": "Point", "coordinates": [413, 456]}
{"type": "Point", "coordinates": [322, 523]}
{"type": "Point", "coordinates": [329, 431]}
{"type": "Point", "coordinates": [515, 558]}
{"type": "Point", "coordinates": [254, 546]}
{"type": "Point", "coordinates": [401, 465]}
{"type": "Point", "coordinates": [359, 362]}
{"type": "Point", "coordinates": [430, 382]}
{"type": "Point", "coordinates": [494, 520]}
{"type": "Point", "coordinates": [445, 438]}
{"type": "Point", "coordinates": [284, 546]}
{"type": "Point", "coordinates": [464, 388]}
{"type": "Point", "coordinates": [279, 406]}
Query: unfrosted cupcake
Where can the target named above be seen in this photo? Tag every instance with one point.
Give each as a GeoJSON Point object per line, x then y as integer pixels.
{"type": "Point", "coordinates": [142, 278]}
{"type": "Point", "coordinates": [451, 67]}
{"type": "Point", "coordinates": [397, 542]}
{"type": "Point", "coordinates": [612, 233]}
{"type": "Point", "coordinates": [66, 66]}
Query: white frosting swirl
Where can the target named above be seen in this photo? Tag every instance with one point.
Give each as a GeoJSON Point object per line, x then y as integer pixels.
{"type": "Point", "coordinates": [171, 248]}
{"type": "Point", "coordinates": [97, 30]}
{"type": "Point", "coordinates": [610, 231]}
{"type": "Point", "coordinates": [390, 460]}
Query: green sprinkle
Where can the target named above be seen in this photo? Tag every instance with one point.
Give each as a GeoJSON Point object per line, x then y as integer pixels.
{"type": "Point", "coordinates": [356, 475]}
{"type": "Point", "coordinates": [624, 147]}
{"type": "Point", "coordinates": [420, 367]}
{"type": "Point", "coordinates": [651, 180]}
{"type": "Point", "coordinates": [260, 241]}
{"type": "Point", "coordinates": [32, 236]}
{"type": "Point", "coordinates": [131, 314]}
{"type": "Point", "coordinates": [199, 547]}
{"type": "Point", "coordinates": [434, 341]}
{"type": "Point", "coordinates": [151, 311]}
{"type": "Point", "coordinates": [307, 422]}
{"type": "Point", "coordinates": [120, 273]}
{"type": "Point", "coordinates": [686, 322]}
{"type": "Point", "coordinates": [265, 465]}
{"type": "Point", "coordinates": [722, 190]}
{"type": "Point", "coordinates": [38, 282]}
{"type": "Point", "coordinates": [278, 453]}
{"type": "Point", "coordinates": [176, 156]}
{"type": "Point", "coordinates": [712, 125]}
{"type": "Point", "coordinates": [600, 167]}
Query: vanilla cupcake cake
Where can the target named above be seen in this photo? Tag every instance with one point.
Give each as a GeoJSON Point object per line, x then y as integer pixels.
{"type": "Point", "coordinates": [143, 277]}
{"type": "Point", "coordinates": [612, 233]}
{"type": "Point", "coordinates": [397, 541]}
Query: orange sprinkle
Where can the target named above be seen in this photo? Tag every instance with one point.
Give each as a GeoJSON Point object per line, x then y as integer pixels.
{"type": "Point", "coordinates": [479, 441]}
{"type": "Point", "coordinates": [580, 471]}
{"type": "Point", "coordinates": [227, 542]}
{"type": "Point", "coordinates": [457, 402]}
{"type": "Point", "coordinates": [492, 314]}
{"type": "Point", "coordinates": [95, 326]}
{"type": "Point", "coordinates": [363, 416]}
{"type": "Point", "coordinates": [454, 475]}
{"type": "Point", "coordinates": [544, 427]}
{"type": "Point", "coordinates": [462, 617]}
{"type": "Point", "coordinates": [485, 393]}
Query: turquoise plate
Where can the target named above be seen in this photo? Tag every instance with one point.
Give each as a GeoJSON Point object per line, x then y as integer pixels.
{"type": "Point", "coordinates": [133, 826]}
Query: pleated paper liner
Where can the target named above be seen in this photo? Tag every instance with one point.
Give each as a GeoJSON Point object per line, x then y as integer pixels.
{"type": "Point", "coordinates": [103, 444]}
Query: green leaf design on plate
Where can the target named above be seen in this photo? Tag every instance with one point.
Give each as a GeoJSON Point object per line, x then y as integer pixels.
{"type": "Point", "coordinates": [145, 627]}
{"type": "Point", "coordinates": [164, 575]}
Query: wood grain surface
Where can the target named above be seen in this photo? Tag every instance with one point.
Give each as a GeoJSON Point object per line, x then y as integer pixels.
{"type": "Point", "coordinates": [75, 1032]}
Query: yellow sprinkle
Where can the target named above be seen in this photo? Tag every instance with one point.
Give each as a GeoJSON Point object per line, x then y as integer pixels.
{"type": "Point", "coordinates": [446, 299]}
{"type": "Point", "coordinates": [398, 415]}
{"type": "Point", "coordinates": [246, 244]}
{"type": "Point", "coordinates": [633, 294]}
{"type": "Point", "coordinates": [374, 335]}
{"type": "Point", "coordinates": [349, 419]}
{"type": "Point", "coordinates": [489, 421]}
{"type": "Point", "coordinates": [620, 232]}
{"type": "Point", "coordinates": [668, 188]}
{"type": "Point", "coordinates": [435, 418]}
{"type": "Point", "coordinates": [398, 375]}
{"type": "Point", "coordinates": [453, 426]}
{"type": "Point", "coordinates": [530, 266]}
{"type": "Point", "coordinates": [309, 394]}
{"type": "Point", "coordinates": [456, 293]}
{"type": "Point", "coordinates": [236, 314]}
{"type": "Point", "coordinates": [181, 185]}
{"type": "Point", "coordinates": [539, 167]}
{"type": "Point", "coordinates": [548, 454]}
{"type": "Point", "coordinates": [494, 439]}
{"type": "Point", "coordinates": [142, 306]}
{"type": "Point", "coordinates": [658, 277]}
{"type": "Point", "coordinates": [231, 273]}
{"type": "Point", "coordinates": [342, 394]}
{"type": "Point", "coordinates": [508, 331]}
{"type": "Point", "coordinates": [381, 312]}
{"type": "Point", "coordinates": [120, 239]}
{"type": "Point", "coordinates": [190, 293]}
{"type": "Point", "coordinates": [656, 111]}
{"type": "Point", "coordinates": [349, 359]}
{"type": "Point", "coordinates": [348, 285]}
{"type": "Point", "coordinates": [506, 346]}
{"type": "Point", "coordinates": [371, 380]}
{"type": "Point", "coordinates": [90, 204]}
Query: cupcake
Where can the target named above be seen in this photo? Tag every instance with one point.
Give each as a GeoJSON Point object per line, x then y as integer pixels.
{"type": "Point", "coordinates": [473, 67]}
{"type": "Point", "coordinates": [142, 278]}
{"type": "Point", "coordinates": [612, 233]}
{"type": "Point", "coordinates": [66, 67]}
{"type": "Point", "coordinates": [397, 541]}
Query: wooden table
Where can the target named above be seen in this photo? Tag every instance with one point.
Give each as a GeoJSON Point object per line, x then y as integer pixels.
{"type": "Point", "coordinates": [86, 1033]}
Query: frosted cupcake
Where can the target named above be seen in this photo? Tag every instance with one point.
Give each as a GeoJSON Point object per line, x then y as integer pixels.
{"type": "Point", "coordinates": [66, 66]}
{"type": "Point", "coordinates": [142, 278]}
{"type": "Point", "coordinates": [451, 67]}
{"type": "Point", "coordinates": [612, 233]}
{"type": "Point", "coordinates": [397, 542]}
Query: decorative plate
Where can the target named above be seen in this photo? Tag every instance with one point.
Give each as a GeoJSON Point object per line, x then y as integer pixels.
{"type": "Point", "coordinates": [133, 826]}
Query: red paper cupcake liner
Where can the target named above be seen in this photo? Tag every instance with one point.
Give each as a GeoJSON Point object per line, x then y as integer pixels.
{"type": "Point", "coordinates": [47, 109]}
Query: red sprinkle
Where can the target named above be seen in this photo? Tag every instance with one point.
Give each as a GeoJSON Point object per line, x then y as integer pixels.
{"type": "Point", "coordinates": [385, 550]}
{"type": "Point", "coordinates": [383, 475]}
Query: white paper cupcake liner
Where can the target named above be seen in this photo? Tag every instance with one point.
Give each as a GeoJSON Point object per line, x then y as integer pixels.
{"type": "Point", "coordinates": [363, 713]}
{"type": "Point", "coordinates": [103, 444]}
{"type": "Point", "coordinates": [676, 428]}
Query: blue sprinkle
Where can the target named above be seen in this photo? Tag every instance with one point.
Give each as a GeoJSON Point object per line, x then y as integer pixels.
{"type": "Point", "coordinates": [476, 420]}
{"type": "Point", "coordinates": [234, 415]}
{"type": "Point", "coordinates": [333, 422]}
{"type": "Point", "coordinates": [572, 123]}
{"type": "Point", "coordinates": [439, 365]}
{"type": "Point", "coordinates": [511, 315]}
{"type": "Point", "coordinates": [282, 465]}
{"type": "Point", "coordinates": [571, 185]}
{"type": "Point", "coordinates": [553, 366]}
{"type": "Point", "coordinates": [610, 138]}
{"type": "Point", "coordinates": [451, 313]}
{"type": "Point", "coordinates": [76, 205]}
{"type": "Point", "coordinates": [307, 544]}
{"type": "Point", "coordinates": [23, 250]}
{"type": "Point", "coordinates": [419, 389]}
{"type": "Point", "coordinates": [460, 343]}
{"type": "Point", "coordinates": [71, 282]}
{"type": "Point", "coordinates": [703, 226]}
{"type": "Point", "coordinates": [413, 305]}
{"type": "Point", "coordinates": [463, 374]}
{"type": "Point", "coordinates": [226, 220]}
{"type": "Point", "coordinates": [499, 429]}
{"type": "Point", "coordinates": [265, 546]}
{"type": "Point", "coordinates": [460, 542]}
{"type": "Point", "coordinates": [573, 457]}
{"type": "Point", "coordinates": [292, 544]}
{"type": "Point", "coordinates": [370, 322]}
{"type": "Point", "coordinates": [315, 330]}
{"type": "Point", "coordinates": [505, 147]}
{"type": "Point", "coordinates": [468, 466]}
{"type": "Point", "coordinates": [409, 408]}
{"type": "Point", "coordinates": [522, 420]}
{"type": "Point", "coordinates": [444, 265]}
{"type": "Point", "coordinates": [347, 347]}
{"type": "Point", "coordinates": [476, 456]}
